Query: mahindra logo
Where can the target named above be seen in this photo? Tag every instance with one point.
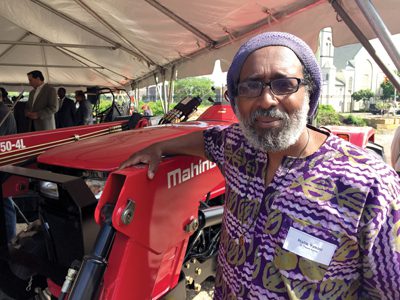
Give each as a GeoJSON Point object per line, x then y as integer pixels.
{"type": "Point", "coordinates": [178, 176]}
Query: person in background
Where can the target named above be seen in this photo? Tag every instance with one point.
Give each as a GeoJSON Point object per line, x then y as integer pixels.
{"type": "Point", "coordinates": [65, 117]}
{"type": "Point", "coordinates": [42, 103]}
{"type": "Point", "coordinates": [23, 122]}
{"type": "Point", "coordinates": [5, 98]}
{"type": "Point", "coordinates": [7, 120]}
{"type": "Point", "coordinates": [147, 110]}
{"type": "Point", "coordinates": [395, 151]}
{"type": "Point", "coordinates": [84, 114]}
{"type": "Point", "coordinates": [307, 215]}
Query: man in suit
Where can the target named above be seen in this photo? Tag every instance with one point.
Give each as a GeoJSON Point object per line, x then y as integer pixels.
{"type": "Point", "coordinates": [65, 117]}
{"type": "Point", "coordinates": [42, 103]}
{"type": "Point", "coordinates": [84, 114]}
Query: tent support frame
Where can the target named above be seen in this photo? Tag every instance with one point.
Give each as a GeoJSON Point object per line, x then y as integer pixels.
{"type": "Point", "coordinates": [382, 32]}
{"type": "Point", "coordinates": [365, 42]}
{"type": "Point", "coordinates": [95, 33]}
{"type": "Point", "coordinates": [115, 31]}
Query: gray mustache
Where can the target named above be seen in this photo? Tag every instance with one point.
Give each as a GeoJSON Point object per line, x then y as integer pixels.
{"type": "Point", "coordinates": [271, 113]}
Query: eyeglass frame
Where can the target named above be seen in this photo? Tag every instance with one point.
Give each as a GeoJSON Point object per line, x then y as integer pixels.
{"type": "Point", "coordinates": [300, 81]}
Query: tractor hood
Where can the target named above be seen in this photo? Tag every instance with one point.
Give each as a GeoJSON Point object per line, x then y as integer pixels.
{"type": "Point", "coordinates": [107, 152]}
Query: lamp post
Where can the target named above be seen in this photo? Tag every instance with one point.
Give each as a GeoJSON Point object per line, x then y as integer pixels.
{"type": "Point", "coordinates": [219, 79]}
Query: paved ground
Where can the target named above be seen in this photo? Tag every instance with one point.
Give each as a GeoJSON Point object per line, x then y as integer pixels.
{"type": "Point", "coordinates": [384, 138]}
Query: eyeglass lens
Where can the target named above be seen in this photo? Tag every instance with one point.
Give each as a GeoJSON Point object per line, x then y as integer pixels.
{"type": "Point", "coordinates": [280, 86]}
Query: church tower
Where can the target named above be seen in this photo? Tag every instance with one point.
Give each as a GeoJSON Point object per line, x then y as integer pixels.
{"type": "Point", "coordinates": [325, 56]}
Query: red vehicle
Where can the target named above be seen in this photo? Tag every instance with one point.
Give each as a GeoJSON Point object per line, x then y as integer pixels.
{"type": "Point", "coordinates": [75, 180]}
{"type": "Point", "coordinates": [128, 256]}
{"type": "Point", "coordinates": [363, 137]}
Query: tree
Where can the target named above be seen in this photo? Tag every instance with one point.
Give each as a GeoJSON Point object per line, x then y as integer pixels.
{"type": "Point", "coordinates": [388, 88]}
{"type": "Point", "coordinates": [195, 87]}
{"type": "Point", "coordinates": [362, 95]}
{"type": "Point", "coordinates": [327, 115]}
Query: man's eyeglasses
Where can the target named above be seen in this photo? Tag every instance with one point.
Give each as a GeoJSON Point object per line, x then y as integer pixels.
{"type": "Point", "coordinates": [280, 86]}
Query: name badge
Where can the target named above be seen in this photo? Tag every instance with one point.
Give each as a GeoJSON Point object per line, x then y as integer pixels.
{"type": "Point", "coordinates": [308, 246]}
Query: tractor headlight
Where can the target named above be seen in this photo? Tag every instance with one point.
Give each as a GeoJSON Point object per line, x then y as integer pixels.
{"type": "Point", "coordinates": [94, 180]}
{"type": "Point", "coordinates": [48, 189]}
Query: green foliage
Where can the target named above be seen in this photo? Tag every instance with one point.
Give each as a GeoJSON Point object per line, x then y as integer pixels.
{"type": "Point", "coordinates": [387, 88]}
{"type": "Point", "coordinates": [382, 105]}
{"type": "Point", "coordinates": [104, 104]}
{"type": "Point", "coordinates": [327, 116]}
{"type": "Point", "coordinates": [354, 120]}
{"type": "Point", "coordinates": [194, 86]}
{"type": "Point", "coordinates": [362, 95]}
{"type": "Point", "coordinates": [205, 104]}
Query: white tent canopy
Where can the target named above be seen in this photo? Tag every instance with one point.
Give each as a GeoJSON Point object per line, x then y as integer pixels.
{"type": "Point", "coordinates": [126, 42]}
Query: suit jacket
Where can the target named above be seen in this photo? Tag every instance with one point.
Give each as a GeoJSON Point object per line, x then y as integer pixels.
{"type": "Point", "coordinates": [46, 105]}
{"type": "Point", "coordinates": [84, 113]}
{"type": "Point", "coordinates": [19, 114]}
{"type": "Point", "coordinates": [65, 116]}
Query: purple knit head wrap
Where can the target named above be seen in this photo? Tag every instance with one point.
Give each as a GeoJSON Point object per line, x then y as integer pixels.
{"type": "Point", "coordinates": [298, 46]}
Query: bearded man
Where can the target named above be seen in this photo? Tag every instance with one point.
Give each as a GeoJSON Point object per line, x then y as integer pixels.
{"type": "Point", "coordinates": [307, 214]}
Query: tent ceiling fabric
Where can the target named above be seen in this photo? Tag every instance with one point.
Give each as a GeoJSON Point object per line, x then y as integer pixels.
{"type": "Point", "coordinates": [114, 43]}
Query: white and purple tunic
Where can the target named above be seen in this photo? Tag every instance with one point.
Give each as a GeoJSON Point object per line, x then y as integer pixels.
{"type": "Point", "coordinates": [340, 203]}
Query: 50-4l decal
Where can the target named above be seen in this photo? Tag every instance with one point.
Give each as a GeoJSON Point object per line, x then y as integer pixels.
{"type": "Point", "coordinates": [9, 145]}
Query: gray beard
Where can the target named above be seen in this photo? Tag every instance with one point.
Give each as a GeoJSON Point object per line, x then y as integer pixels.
{"type": "Point", "coordinates": [274, 139]}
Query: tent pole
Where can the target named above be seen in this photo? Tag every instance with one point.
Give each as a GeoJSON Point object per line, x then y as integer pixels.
{"type": "Point", "coordinates": [158, 90]}
{"type": "Point", "coordinates": [171, 86]}
{"type": "Point", "coordinates": [49, 44]}
{"type": "Point", "coordinates": [364, 41]}
{"type": "Point", "coordinates": [48, 66]}
{"type": "Point", "coordinates": [162, 90]}
{"type": "Point", "coordinates": [379, 27]}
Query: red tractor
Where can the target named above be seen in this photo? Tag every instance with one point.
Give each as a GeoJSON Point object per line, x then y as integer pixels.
{"type": "Point", "coordinates": [149, 239]}
{"type": "Point", "coordinates": [79, 178]}
{"type": "Point", "coordinates": [363, 137]}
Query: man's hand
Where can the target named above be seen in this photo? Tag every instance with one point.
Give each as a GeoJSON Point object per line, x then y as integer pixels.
{"type": "Point", "coordinates": [190, 144]}
{"type": "Point", "coordinates": [150, 155]}
{"type": "Point", "coordinates": [32, 115]}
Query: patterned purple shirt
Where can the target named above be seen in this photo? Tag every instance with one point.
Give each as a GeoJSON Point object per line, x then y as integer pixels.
{"type": "Point", "coordinates": [338, 198]}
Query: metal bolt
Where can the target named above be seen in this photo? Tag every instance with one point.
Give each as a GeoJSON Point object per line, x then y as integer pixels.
{"type": "Point", "coordinates": [189, 280]}
{"type": "Point", "coordinates": [193, 260]}
{"type": "Point", "coordinates": [197, 271]}
{"type": "Point", "coordinates": [187, 265]}
{"type": "Point", "coordinates": [128, 213]}
{"type": "Point", "coordinates": [197, 287]}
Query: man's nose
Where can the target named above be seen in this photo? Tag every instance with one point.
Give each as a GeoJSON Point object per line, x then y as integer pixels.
{"type": "Point", "coordinates": [267, 98]}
